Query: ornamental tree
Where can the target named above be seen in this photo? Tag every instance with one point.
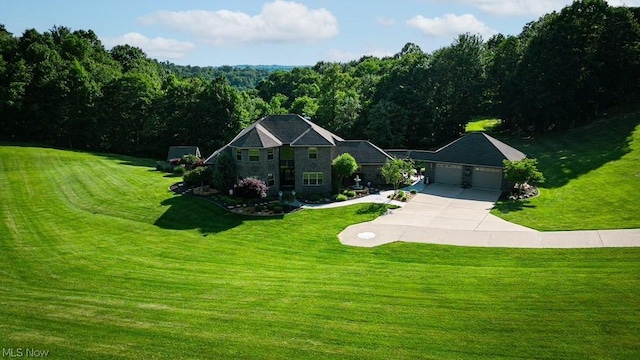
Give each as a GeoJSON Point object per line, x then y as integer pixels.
{"type": "Point", "coordinates": [251, 188]}
{"type": "Point", "coordinates": [522, 172]}
{"type": "Point", "coordinates": [344, 166]}
{"type": "Point", "coordinates": [394, 171]}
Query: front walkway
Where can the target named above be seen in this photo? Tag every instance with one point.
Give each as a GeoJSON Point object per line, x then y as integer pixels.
{"type": "Point", "coordinates": [449, 215]}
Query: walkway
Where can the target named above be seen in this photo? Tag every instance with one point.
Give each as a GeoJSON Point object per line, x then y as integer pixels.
{"type": "Point", "coordinates": [449, 215]}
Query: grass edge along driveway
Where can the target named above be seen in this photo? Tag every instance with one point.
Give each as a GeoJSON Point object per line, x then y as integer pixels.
{"type": "Point", "coordinates": [99, 260]}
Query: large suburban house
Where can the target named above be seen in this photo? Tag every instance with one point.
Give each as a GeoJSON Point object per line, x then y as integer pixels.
{"type": "Point", "coordinates": [289, 152]}
{"type": "Point", "coordinates": [474, 160]}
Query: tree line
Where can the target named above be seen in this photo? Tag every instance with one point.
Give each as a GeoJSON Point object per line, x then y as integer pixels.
{"type": "Point", "coordinates": [63, 88]}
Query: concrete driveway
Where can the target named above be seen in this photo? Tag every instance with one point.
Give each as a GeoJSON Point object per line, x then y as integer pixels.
{"type": "Point", "coordinates": [444, 214]}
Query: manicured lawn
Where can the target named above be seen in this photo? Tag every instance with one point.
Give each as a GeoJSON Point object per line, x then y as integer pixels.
{"type": "Point", "coordinates": [593, 178]}
{"type": "Point", "coordinates": [99, 260]}
{"type": "Point", "coordinates": [482, 125]}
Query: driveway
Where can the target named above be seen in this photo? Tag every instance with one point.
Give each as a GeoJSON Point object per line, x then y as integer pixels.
{"type": "Point", "coordinates": [447, 214]}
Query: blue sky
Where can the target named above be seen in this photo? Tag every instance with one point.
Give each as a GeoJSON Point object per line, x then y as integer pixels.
{"type": "Point", "coordinates": [298, 32]}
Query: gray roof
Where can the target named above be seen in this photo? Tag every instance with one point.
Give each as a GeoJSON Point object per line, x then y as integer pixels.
{"type": "Point", "coordinates": [364, 152]}
{"type": "Point", "coordinates": [277, 130]}
{"type": "Point", "coordinates": [177, 152]}
{"type": "Point", "coordinates": [255, 136]}
{"type": "Point", "coordinates": [211, 160]}
{"type": "Point", "coordinates": [475, 148]}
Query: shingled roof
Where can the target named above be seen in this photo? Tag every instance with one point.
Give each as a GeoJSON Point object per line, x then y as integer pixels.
{"type": "Point", "coordinates": [177, 152]}
{"type": "Point", "coordinates": [472, 149]}
{"type": "Point", "coordinates": [478, 149]}
{"type": "Point", "coordinates": [364, 152]}
{"type": "Point", "coordinates": [277, 130]}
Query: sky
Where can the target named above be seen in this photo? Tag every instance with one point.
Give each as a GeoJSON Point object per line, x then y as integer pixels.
{"type": "Point", "coordinates": [268, 32]}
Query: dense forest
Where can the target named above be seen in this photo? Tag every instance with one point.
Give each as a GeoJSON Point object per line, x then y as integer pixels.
{"type": "Point", "coordinates": [63, 88]}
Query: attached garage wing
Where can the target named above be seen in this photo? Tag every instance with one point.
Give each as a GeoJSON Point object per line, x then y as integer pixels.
{"type": "Point", "coordinates": [487, 178]}
{"type": "Point", "coordinates": [448, 174]}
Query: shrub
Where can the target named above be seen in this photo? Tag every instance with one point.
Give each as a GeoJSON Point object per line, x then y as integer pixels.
{"type": "Point", "coordinates": [349, 193]}
{"type": "Point", "coordinates": [198, 176]}
{"type": "Point", "coordinates": [401, 194]}
{"type": "Point", "coordinates": [341, 197]}
{"type": "Point", "coordinates": [259, 208]}
{"type": "Point", "coordinates": [164, 166]}
{"type": "Point", "coordinates": [270, 207]}
{"type": "Point", "coordinates": [414, 191]}
{"type": "Point", "coordinates": [315, 197]}
{"type": "Point", "coordinates": [179, 170]}
{"type": "Point", "coordinates": [251, 188]}
{"type": "Point", "coordinates": [278, 209]}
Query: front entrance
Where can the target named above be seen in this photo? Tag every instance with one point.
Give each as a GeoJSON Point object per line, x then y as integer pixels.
{"type": "Point", "coordinates": [287, 178]}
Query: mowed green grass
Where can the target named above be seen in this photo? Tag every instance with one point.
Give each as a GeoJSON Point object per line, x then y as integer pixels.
{"type": "Point", "coordinates": [592, 178]}
{"type": "Point", "coordinates": [99, 260]}
{"type": "Point", "coordinates": [482, 125]}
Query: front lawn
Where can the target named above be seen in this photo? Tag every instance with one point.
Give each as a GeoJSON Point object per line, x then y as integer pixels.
{"type": "Point", "coordinates": [592, 178]}
{"type": "Point", "coordinates": [99, 260]}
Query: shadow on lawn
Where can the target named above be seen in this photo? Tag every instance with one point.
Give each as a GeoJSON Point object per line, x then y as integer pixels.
{"type": "Point", "coordinates": [509, 206]}
{"type": "Point", "coordinates": [567, 155]}
{"type": "Point", "coordinates": [188, 213]}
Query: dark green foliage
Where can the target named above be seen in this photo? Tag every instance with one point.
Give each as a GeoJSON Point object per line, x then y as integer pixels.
{"type": "Point", "coordinates": [224, 173]}
{"type": "Point", "coordinates": [522, 172]}
{"type": "Point", "coordinates": [344, 165]}
{"type": "Point", "coordinates": [63, 88]}
{"type": "Point", "coordinates": [200, 176]}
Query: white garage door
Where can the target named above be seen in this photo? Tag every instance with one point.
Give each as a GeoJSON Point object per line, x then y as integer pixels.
{"type": "Point", "coordinates": [486, 178]}
{"type": "Point", "coordinates": [449, 174]}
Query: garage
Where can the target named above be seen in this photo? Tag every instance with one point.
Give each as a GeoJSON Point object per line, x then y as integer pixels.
{"type": "Point", "coordinates": [448, 174]}
{"type": "Point", "coordinates": [487, 178]}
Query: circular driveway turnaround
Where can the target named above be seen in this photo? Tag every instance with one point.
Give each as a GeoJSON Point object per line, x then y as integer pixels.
{"type": "Point", "coordinates": [449, 215]}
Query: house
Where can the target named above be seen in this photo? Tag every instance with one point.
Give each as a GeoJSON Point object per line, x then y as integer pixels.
{"type": "Point", "coordinates": [473, 160]}
{"type": "Point", "coordinates": [177, 152]}
{"type": "Point", "coordinates": [290, 152]}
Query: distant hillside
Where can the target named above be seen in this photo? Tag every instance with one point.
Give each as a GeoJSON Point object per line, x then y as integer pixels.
{"type": "Point", "coordinates": [240, 76]}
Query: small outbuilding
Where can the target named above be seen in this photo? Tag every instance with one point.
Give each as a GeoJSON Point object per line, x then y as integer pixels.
{"type": "Point", "coordinates": [177, 152]}
{"type": "Point", "coordinates": [474, 160]}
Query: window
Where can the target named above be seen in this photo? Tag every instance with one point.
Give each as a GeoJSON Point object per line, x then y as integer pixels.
{"type": "Point", "coordinates": [254, 155]}
{"type": "Point", "coordinates": [238, 154]}
{"type": "Point", "coordinates": [269, 154]}
{"type": "Point", "coordinates": [270, 180]}
{"type": "Point", "coordinates": [312, 179]}
{"type": "Point", "coordinates": [313, 153]}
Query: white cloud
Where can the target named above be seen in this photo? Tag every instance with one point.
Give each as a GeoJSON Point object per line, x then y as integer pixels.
{"type": "Point", "coordinates": [279, 22]}
{"type": "Point", "coordinates": [529, 7]}
{"type": "Point", "coordinates": [450, 25]}
{"type": "Point", "coordinates": [381, 20]}
{"type": "Point", "coordinates": [630, 3]}
{"type": "Point", "coordinates": [336, 55]}
{"type": "Point", "coordinates": [156, 48]}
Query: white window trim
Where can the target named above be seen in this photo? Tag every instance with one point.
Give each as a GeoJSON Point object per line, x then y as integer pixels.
{"type": "Point", "coordinates": [317, 177]}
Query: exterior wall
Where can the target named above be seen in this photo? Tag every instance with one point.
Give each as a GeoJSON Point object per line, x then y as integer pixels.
{"type": "Point", "coordinates": [260, 169]}
{"type": "Point", "coordinates": [430, 171]}
{"type": "Point", "coordinates": [322, 163]}
{"type": "Point", "coordinates": [371, 173]}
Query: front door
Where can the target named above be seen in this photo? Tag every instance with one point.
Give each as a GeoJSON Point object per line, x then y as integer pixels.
{"type": "Point", "coordinates": [287, 178]}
